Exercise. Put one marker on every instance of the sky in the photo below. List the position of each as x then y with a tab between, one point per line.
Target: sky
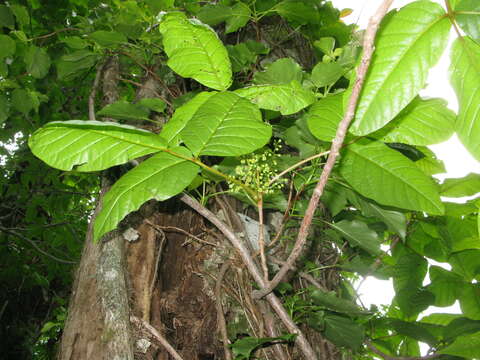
458	162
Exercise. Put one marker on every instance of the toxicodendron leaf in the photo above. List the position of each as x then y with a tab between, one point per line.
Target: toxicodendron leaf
324	116
465	79
467	346
330	301
91	145
108	38
386	176
172	129
287	98
159	177
343	331
359	234
282	71
195	51
225	125
459	187
7	44
124	110
467	14
422	122
445	285
408	44
37	62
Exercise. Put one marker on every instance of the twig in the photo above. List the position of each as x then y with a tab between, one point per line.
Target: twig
275	303
173	353
31	242
368	49
93	92
176	229
298	164
220	316
54	33
302	274
388	357
261	239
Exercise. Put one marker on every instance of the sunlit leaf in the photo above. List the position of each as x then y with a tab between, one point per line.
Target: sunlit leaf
465	79
408	44
389	178
459	187
467	14
159	177
324	116
287	99
226	125
91	145
124	110
467	346
195	51
282	71
422	122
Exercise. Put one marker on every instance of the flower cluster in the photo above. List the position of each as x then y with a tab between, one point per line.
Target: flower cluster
256	170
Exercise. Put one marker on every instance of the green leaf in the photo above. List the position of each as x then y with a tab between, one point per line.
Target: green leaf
4	108
195	51
75	42
172	129
91	145
282	71
412	301
226	125
429	164
440	318
325	45
108	38
467	346
445	285
422	122
465	263
467	15
239	17
359	234
22	101
324	74
297	12
415	330
343	331
159	177
21	14
389	178
6	17
7	44
458	187
153	104
409	270
72	65
243	348
470	301
395	221
330	301
288	99
214	14
37	62
465	79
324	116
408	44
461	326
124	110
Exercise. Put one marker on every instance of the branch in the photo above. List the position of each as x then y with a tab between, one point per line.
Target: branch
368	49
388	357
142	323
220	316
34	244
275	303
93	92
